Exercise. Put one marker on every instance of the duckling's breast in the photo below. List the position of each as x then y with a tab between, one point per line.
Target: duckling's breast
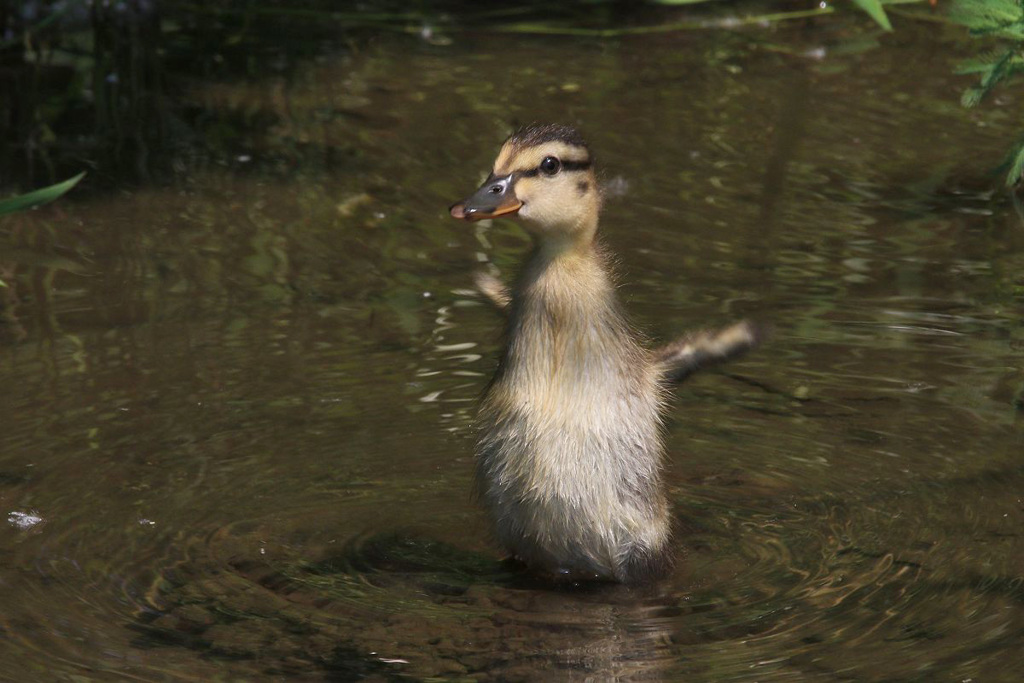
570	444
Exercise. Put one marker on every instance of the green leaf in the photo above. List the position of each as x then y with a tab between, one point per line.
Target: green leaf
39	197
875	11
1015	166
1002	18
972	97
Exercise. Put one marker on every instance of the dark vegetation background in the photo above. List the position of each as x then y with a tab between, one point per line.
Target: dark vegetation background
96	86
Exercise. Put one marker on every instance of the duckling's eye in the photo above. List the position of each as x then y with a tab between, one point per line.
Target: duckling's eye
550	165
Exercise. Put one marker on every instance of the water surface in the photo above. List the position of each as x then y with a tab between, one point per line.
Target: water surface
237	439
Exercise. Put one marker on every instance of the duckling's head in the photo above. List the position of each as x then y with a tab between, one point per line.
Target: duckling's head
543	177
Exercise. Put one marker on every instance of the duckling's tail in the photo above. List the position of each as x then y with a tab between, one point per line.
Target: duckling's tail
698	350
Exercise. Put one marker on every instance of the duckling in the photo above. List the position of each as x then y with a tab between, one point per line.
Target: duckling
570	451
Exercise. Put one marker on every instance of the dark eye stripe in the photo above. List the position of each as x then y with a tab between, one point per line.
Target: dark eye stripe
566	166
575	165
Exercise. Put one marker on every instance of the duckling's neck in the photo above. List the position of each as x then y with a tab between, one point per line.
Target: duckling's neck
550	250
565	315
576	239
568	275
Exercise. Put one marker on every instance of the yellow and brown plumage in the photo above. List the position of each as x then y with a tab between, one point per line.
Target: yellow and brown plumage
570	447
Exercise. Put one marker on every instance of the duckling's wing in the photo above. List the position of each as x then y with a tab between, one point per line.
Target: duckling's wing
494	289
698	350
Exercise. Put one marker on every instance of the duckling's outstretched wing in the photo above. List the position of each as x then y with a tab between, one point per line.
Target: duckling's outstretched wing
698	350
493	288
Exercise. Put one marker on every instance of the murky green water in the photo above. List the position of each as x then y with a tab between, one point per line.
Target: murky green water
237	410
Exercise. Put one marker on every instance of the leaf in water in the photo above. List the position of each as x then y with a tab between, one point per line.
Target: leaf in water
1015	165
35	259
39	197
971	97
875	11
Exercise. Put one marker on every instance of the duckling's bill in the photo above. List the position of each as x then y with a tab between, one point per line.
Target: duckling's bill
496	197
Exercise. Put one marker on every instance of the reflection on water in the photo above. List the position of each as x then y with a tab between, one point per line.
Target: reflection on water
238	437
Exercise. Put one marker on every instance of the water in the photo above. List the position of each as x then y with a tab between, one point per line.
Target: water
237	438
